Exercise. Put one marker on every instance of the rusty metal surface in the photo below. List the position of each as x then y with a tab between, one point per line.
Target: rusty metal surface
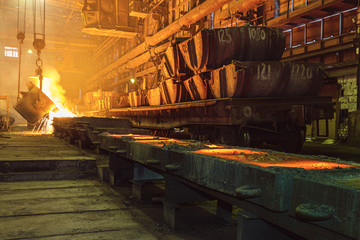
88	129
123	100
172	91
236	7
34	104
305	79
225	111
279	188
211	49
134	99
191	17
331	200
197	86
154	97
108	18
266	79
173	64
104	100
138	98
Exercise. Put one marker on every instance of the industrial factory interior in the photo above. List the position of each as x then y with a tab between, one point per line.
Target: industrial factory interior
180	119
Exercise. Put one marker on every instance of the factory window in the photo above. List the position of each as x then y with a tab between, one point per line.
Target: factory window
10	52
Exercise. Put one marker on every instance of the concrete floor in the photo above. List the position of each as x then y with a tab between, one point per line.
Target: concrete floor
80	209
84	208
337	150
26	156
89	209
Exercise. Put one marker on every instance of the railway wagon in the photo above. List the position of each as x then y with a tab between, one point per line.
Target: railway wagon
229	86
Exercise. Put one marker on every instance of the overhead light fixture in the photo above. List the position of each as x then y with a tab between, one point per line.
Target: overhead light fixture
132	80
30	51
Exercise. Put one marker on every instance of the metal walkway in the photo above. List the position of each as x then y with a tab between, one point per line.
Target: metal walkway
25	156
81	209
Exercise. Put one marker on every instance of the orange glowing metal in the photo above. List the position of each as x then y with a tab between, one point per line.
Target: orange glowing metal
122	135
264	159
152	140
162	142
52	88
146	138
213	146
25	133
134	136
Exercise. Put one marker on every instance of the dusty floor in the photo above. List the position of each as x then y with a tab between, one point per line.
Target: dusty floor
344	152
89	209
84	208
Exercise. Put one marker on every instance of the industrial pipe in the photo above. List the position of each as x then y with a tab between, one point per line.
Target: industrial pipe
191	17
146	56
237	6
143	58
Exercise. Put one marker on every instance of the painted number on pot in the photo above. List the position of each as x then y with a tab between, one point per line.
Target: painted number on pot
300	71
257	34
264	71
224	36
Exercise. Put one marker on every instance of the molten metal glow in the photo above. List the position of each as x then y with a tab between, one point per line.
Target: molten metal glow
162	142
247	156
132	136
52	88
213	146
265	159
152	140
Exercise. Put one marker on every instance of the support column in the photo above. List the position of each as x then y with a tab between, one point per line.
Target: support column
224	211
176	193
251	227
119	169
103	172
169	213
143	187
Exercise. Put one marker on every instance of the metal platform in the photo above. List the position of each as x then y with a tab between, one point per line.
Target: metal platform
25	156
69	209
225	111
313	197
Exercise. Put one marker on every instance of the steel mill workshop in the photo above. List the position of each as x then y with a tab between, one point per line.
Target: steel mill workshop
180	119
